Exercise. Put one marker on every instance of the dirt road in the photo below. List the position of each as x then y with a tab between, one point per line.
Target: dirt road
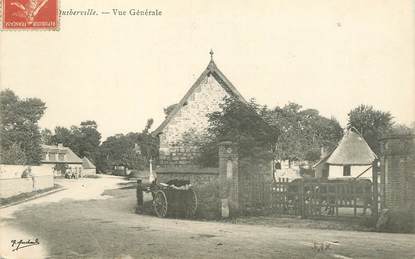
80	222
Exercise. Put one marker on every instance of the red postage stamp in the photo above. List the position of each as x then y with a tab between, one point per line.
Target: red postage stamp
30	15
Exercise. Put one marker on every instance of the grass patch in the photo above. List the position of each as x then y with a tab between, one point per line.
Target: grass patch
24	196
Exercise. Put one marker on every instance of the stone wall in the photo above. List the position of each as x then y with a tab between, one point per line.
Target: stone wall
398	172
12	183
196	176
181	138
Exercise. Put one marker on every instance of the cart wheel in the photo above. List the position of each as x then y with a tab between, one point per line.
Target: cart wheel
160	204
191	204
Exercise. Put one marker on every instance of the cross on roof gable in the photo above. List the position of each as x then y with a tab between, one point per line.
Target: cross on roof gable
211	70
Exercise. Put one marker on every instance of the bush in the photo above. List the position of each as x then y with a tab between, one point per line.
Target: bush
397	221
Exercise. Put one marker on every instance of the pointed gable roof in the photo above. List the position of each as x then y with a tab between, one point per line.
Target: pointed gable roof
211	70
352	150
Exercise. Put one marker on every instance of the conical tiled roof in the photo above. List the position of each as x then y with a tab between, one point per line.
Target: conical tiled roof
352	150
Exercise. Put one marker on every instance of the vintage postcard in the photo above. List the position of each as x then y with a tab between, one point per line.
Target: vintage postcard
207	129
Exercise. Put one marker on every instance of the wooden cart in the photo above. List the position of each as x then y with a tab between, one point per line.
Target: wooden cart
175	198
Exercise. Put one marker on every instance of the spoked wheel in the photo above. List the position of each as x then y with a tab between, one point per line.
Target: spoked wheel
160	204
190	204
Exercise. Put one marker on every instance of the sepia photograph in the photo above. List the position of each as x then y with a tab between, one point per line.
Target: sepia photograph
207	129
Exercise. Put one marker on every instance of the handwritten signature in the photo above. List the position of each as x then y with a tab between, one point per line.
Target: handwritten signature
19	244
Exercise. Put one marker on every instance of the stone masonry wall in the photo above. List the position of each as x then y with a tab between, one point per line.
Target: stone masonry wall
196	176
180	139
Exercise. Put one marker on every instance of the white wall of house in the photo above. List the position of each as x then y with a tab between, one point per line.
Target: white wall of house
89	171
336	171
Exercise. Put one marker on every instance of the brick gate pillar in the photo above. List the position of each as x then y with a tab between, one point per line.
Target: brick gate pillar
228	178
398	172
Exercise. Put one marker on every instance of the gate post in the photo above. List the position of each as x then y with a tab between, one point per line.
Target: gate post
375	192
303	210
398	165
228	178
140	198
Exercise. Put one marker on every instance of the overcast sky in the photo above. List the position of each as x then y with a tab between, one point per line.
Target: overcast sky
119	71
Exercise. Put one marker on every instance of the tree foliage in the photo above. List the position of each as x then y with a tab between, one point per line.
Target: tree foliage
291	132
402	129
46	136
83	140
240	123
20	137
303	132
372	124
133	150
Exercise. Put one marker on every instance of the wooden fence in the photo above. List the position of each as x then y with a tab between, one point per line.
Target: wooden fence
319	198
254	193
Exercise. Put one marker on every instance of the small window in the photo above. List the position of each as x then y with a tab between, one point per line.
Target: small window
346	170
277	165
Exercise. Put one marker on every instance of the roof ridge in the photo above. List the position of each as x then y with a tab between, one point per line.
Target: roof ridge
210	69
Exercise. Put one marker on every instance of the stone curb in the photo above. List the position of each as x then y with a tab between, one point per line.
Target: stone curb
33	197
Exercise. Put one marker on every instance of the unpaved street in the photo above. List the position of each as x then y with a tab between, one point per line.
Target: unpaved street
80	222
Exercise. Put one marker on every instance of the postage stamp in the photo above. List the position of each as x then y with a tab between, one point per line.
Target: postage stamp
30	15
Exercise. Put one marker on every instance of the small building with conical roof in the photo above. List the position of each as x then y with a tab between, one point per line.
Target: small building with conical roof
352	158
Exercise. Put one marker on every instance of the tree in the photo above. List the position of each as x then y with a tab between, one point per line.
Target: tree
62	136
46	136
89	139
402	129
83	140
133	150
241	123
14	156
19	131
372	124
303	132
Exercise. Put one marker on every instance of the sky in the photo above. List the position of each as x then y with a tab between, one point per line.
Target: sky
330	55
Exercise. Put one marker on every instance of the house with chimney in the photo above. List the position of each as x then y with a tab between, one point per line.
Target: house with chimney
53	156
